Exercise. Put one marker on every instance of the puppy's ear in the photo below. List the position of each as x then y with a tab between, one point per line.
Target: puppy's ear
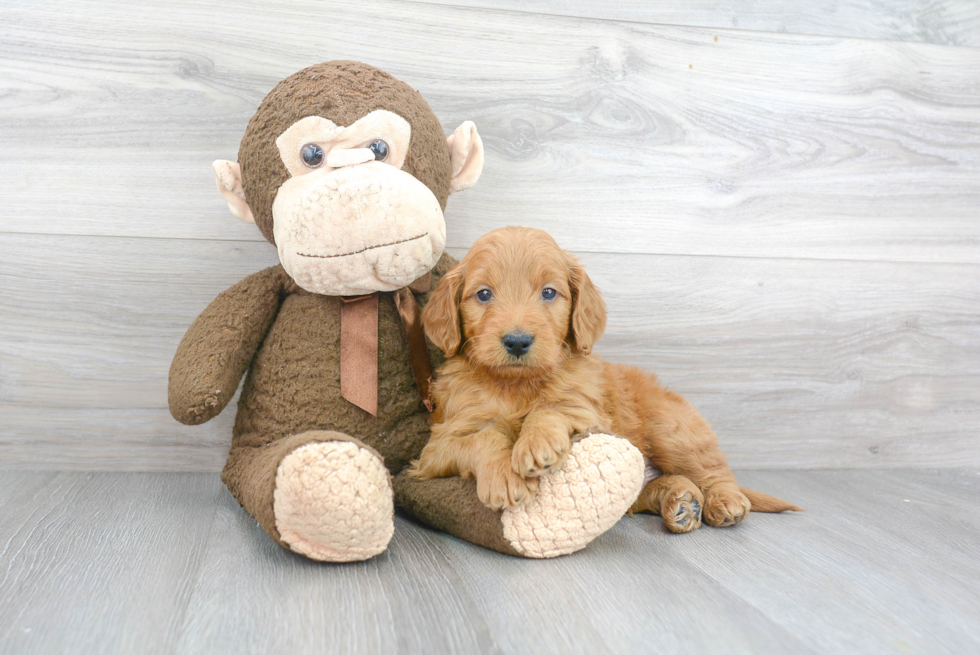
440	317
588	320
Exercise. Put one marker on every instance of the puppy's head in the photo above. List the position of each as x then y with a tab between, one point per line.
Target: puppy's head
517	305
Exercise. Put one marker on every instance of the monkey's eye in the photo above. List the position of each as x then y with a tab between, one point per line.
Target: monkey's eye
379	148
312	155
484	295
549	294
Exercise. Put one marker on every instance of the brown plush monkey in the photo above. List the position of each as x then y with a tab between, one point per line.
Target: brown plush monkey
347	171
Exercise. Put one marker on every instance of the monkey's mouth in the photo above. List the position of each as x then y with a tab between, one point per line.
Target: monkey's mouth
357	252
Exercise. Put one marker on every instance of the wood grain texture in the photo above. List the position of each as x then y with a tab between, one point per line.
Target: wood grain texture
873	576
797	363
882	561
746	199
951	22
616	137
256	595
99	563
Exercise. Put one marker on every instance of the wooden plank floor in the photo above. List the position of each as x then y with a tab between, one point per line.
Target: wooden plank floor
882	561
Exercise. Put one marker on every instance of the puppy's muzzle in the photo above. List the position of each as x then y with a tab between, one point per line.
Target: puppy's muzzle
517	343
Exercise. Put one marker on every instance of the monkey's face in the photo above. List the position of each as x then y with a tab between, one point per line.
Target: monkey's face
353	202
349	221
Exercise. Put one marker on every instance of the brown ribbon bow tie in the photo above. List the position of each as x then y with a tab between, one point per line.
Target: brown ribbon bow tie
359	345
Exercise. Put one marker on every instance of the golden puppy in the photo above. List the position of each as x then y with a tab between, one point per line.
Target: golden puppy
517	319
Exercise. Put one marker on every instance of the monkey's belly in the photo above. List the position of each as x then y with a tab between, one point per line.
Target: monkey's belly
293	384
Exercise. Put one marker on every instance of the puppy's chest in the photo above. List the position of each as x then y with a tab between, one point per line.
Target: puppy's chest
513	406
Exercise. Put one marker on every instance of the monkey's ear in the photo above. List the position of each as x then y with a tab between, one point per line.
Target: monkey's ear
228	177
466	156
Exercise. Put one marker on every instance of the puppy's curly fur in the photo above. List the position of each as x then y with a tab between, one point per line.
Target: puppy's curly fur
517	319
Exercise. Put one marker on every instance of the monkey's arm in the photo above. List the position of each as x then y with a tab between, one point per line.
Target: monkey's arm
220	344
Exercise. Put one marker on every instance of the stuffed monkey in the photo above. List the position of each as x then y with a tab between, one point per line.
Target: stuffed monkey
346	170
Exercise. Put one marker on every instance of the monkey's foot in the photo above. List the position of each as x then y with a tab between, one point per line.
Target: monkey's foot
578	502
333	502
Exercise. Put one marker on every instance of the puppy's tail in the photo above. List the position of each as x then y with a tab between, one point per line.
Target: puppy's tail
765	503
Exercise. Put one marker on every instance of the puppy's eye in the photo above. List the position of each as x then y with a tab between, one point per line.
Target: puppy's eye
484	295
549	294
379	148
312	155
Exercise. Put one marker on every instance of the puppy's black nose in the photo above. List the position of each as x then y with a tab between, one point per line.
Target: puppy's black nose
517	343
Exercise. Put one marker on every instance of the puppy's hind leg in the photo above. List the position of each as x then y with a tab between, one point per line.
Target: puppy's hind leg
699	458
676	499
682	443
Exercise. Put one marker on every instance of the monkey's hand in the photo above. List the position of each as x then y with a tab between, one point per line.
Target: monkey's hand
220	344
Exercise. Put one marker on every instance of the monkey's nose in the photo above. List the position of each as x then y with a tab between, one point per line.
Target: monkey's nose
340	157
517	343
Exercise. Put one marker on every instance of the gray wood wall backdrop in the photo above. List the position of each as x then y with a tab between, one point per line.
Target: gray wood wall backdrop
781	204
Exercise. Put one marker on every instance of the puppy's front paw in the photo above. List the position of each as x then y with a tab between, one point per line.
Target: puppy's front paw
498	486
725	505
540	449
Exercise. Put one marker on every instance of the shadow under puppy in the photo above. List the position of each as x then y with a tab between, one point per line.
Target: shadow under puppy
517	319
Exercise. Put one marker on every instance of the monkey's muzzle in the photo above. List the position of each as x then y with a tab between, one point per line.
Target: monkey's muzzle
357	229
